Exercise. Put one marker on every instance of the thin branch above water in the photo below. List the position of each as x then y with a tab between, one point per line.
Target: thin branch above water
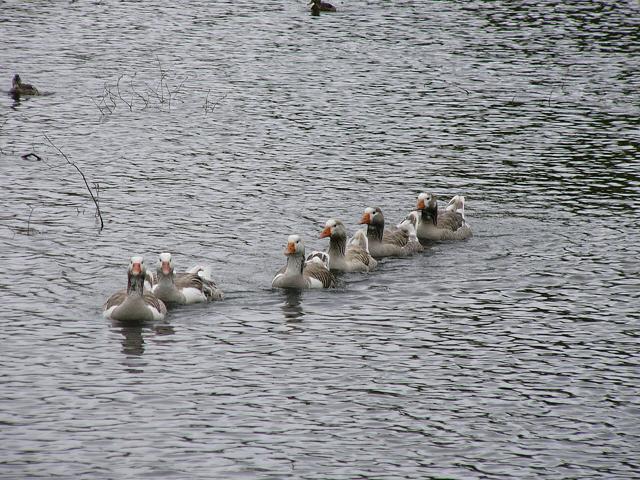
84	178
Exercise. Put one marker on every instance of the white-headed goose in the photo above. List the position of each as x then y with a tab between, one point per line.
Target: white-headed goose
409	225
389	243
194	286
300	274
343	257
135	304
447	224
456	204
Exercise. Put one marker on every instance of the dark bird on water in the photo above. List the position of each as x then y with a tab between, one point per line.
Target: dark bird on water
19	88
318	6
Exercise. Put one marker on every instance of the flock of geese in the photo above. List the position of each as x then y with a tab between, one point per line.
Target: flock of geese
148	294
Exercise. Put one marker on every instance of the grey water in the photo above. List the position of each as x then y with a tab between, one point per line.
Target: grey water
213	130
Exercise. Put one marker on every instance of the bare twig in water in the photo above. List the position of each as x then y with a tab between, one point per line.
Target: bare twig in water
130	105
132	88
551	92
96	186
29	220
1	127
144	99
210	108
206	103
162	75
112	97
177	90
101	109
168	95
95	201
448	84
161	95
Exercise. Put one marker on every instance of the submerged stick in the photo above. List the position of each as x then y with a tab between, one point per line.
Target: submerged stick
83	178
29	219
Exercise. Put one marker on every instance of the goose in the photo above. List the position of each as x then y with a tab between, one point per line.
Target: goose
456	204
354	257
390	243
194	286
409	226
19	88
321	258
135	304
436	225
300	274
318	6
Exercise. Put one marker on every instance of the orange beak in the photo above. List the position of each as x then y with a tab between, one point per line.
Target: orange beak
291	248
166	269
137	268
366	218
421	204
326	232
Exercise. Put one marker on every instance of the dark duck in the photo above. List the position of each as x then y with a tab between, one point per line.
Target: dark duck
19	88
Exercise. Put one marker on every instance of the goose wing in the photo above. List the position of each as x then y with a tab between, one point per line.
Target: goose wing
150	279
318	272
450	220
153	301
198	282
396	237
358	254
116	299
189	280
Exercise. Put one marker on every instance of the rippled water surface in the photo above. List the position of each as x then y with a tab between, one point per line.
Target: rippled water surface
216	129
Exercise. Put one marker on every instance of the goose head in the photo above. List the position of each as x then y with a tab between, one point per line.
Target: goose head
456	204
136	275
409	224
372	216
315	7
16	81
333	228
295	246
165	264
427	201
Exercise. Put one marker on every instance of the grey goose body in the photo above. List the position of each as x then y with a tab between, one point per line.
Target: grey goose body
346	257
194	286
384	243
300	273
134	304
440	225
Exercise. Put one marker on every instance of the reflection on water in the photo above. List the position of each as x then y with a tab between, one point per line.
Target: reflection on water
133	340
292	306
509	355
